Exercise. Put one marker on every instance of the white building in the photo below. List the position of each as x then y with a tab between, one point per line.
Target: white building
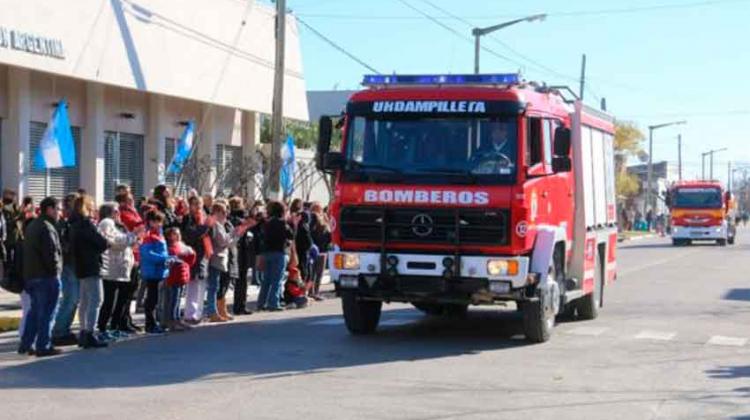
133	73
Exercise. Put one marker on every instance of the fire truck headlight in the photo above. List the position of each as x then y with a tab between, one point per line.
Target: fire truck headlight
502	267
344	261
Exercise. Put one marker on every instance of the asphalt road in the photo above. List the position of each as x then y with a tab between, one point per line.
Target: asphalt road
671	342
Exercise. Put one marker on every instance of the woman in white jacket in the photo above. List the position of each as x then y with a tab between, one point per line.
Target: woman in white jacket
117	263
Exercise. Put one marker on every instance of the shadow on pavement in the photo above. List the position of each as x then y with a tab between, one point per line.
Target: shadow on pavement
729	372
738	294
261	349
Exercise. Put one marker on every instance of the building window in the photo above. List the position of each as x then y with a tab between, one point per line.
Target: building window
169	149
56	182
123	163
228	163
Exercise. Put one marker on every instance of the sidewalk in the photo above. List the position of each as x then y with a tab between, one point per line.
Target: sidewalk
10	304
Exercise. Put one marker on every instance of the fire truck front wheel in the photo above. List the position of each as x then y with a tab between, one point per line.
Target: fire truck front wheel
360	316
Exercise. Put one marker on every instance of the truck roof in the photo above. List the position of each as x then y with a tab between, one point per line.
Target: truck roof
698	184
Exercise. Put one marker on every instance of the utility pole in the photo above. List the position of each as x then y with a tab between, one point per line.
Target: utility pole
711	166
277	116
647	201
583	76
477	33
679	157
729	175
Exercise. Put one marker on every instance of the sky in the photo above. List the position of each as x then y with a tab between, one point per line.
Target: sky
654	61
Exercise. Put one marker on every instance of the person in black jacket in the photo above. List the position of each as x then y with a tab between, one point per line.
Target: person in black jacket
42	265
162	200
241	258
62	334
302	237
88	246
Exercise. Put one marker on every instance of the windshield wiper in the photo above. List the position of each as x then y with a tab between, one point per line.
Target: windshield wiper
377	167
450	171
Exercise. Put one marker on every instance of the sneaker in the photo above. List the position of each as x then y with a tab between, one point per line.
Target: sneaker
24	351
65	340
318	298
106	337
52	351
155	330
279	309
127	330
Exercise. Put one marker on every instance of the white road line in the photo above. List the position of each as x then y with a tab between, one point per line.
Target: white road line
590	331
632	270
396	322
655	335
333	321
720	340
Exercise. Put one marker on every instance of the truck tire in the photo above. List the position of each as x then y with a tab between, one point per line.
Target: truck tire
730	241
721	242
361	316
588	306
539	315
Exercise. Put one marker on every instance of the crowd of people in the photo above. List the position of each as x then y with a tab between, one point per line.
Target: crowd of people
159	251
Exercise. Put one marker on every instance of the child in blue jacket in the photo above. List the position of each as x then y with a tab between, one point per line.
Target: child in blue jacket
155	262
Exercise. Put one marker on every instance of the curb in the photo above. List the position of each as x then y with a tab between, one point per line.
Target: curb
9	323
636	238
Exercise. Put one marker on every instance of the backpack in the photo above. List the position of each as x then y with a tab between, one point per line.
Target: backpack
12	279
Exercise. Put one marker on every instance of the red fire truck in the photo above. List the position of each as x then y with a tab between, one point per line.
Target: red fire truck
701	210
458	190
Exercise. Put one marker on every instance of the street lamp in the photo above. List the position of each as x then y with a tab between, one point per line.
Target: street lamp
478	32
703	162
651	129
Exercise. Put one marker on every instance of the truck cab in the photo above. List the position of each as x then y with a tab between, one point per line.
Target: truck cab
700	211
465	190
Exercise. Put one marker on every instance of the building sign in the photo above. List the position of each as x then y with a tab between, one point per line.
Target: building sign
31	43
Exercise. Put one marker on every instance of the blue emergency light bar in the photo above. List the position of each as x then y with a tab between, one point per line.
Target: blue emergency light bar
442	79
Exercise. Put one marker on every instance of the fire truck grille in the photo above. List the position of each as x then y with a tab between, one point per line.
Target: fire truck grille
435	226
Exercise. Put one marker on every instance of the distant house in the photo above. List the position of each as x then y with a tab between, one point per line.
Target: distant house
663	174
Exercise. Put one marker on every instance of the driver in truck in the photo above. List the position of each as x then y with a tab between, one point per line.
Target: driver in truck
493	156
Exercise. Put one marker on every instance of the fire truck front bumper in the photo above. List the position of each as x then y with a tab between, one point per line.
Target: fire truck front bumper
700	232
400	276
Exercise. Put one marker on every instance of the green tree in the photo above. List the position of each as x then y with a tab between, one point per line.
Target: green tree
627	143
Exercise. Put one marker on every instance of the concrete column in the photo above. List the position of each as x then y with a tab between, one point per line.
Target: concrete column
250	139
153	156
92	143
15	156
206	151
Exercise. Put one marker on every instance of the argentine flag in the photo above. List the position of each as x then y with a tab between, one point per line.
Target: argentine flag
182	151
57	149
288	166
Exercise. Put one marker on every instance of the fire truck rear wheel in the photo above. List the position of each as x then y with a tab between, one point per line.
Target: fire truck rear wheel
360	316
730	241
588	306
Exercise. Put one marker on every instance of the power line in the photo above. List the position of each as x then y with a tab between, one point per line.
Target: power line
562	14
457	33
336	46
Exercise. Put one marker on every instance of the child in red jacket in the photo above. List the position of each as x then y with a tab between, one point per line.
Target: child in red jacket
179	276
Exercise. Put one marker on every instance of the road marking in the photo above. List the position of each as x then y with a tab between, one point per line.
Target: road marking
332	321
590	331
396	322
720	340
654	263
655	335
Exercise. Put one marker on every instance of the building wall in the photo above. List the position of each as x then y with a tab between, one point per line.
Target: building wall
222	54
29	96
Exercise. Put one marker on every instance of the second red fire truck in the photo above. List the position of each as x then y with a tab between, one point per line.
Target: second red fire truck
459	190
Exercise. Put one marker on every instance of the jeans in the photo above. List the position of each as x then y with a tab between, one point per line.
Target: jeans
150	302
68	302
273	276
175	292
196	293
91	300
115	294
212	288
45	294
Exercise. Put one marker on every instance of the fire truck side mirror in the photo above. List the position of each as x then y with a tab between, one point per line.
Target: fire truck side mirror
561	164
562	141
325	130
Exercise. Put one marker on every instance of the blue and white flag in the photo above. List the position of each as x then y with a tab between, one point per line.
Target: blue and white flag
182	151
288	166
57	149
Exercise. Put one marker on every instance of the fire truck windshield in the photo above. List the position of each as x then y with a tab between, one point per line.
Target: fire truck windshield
697	198
433	150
